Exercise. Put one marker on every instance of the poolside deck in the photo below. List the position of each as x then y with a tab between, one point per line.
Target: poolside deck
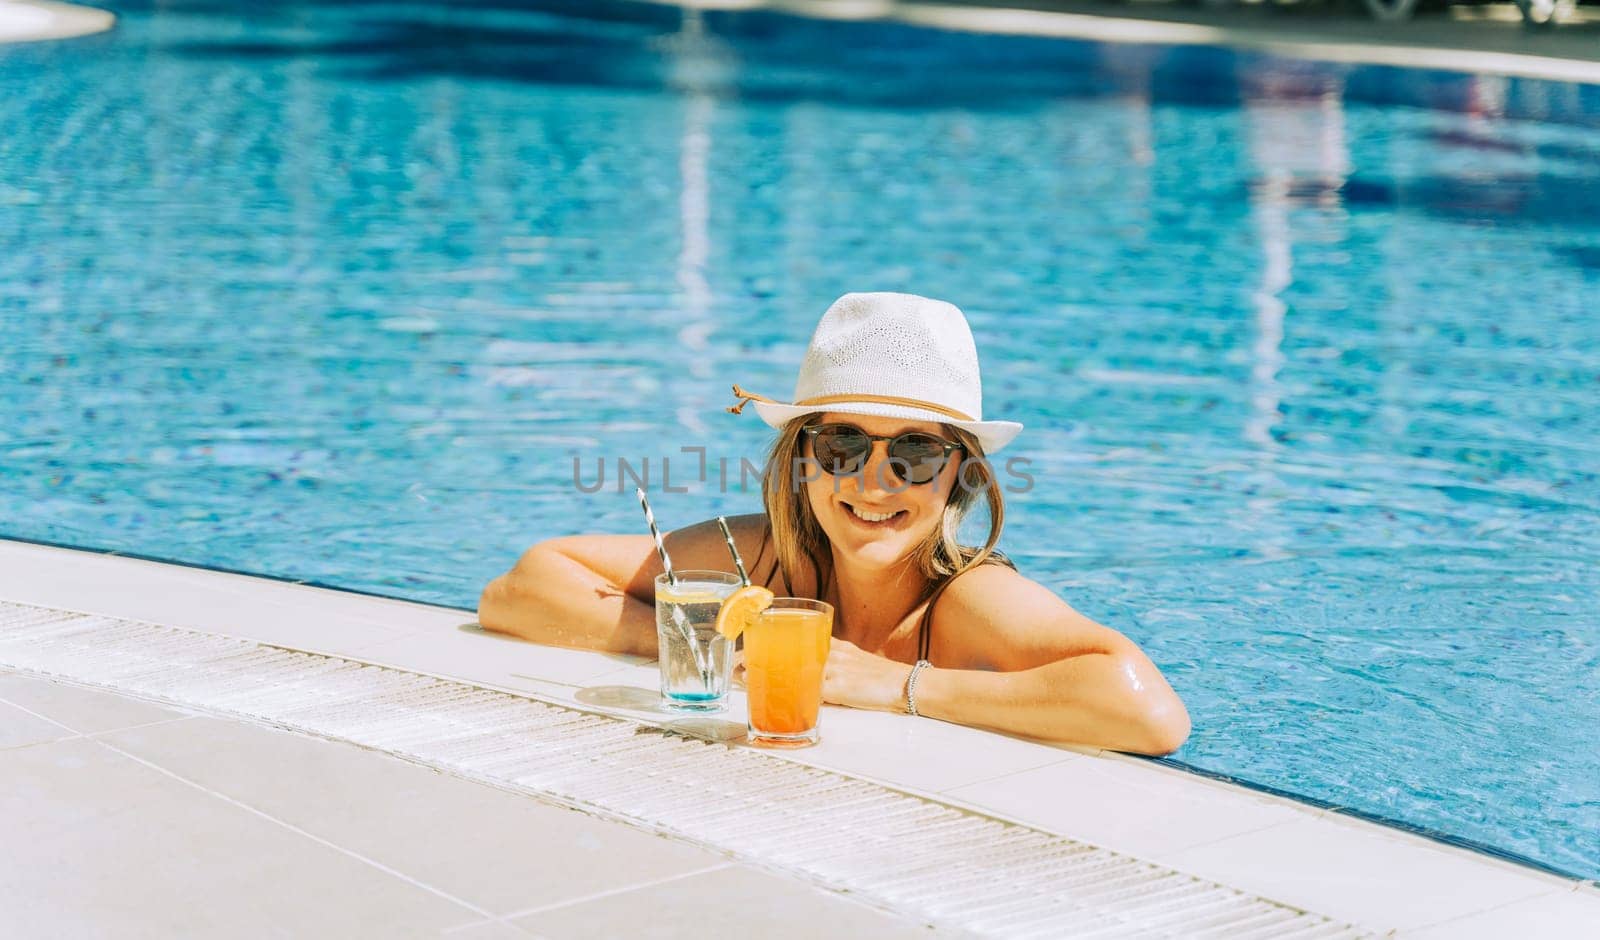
1484	39
37	20
438	841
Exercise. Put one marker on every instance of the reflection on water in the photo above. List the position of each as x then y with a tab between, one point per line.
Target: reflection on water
1306	353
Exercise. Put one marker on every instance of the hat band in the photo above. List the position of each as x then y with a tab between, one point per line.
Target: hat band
747	397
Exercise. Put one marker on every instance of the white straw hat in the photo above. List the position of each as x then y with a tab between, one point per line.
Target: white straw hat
893	356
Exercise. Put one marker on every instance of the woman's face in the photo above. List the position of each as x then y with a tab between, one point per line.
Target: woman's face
839	501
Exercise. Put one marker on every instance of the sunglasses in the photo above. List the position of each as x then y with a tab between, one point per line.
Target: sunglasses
915	457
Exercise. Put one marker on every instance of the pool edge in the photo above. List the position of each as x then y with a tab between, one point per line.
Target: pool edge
409	636
1127	30
41	20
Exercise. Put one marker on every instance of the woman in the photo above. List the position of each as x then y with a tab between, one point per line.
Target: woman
876	463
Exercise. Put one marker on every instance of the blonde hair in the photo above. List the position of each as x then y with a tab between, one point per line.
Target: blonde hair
798	539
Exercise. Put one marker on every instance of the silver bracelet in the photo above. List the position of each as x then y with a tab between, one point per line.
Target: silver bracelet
911	686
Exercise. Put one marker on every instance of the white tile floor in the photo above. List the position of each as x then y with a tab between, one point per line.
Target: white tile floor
124	819
725	902
1349	869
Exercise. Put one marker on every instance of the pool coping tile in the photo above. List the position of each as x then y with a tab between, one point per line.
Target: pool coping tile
1570	912
1362	872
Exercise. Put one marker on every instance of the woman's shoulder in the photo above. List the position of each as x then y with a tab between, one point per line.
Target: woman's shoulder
705	542
994	617
986	589
751	533
704	546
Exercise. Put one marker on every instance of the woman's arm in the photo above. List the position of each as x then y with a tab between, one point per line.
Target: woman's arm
598	591
1012	656
1112	700
575	592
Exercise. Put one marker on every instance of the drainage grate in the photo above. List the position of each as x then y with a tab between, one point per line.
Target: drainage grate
903	853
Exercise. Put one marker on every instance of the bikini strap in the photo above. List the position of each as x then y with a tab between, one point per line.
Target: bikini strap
925	631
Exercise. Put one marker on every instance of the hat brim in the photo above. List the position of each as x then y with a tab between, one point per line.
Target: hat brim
992	435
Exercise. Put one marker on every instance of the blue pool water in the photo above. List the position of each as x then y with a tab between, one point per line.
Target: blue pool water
1308	354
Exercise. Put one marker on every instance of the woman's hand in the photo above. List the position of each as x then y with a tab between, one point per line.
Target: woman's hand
859	679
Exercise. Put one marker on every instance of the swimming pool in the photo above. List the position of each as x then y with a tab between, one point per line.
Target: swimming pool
1307	353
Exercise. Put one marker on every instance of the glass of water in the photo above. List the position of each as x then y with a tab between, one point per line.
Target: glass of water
695	658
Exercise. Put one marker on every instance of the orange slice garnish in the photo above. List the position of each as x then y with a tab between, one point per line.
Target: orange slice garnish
741	608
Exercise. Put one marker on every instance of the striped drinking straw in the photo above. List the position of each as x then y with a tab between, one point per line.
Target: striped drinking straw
655	533
678	618
722	523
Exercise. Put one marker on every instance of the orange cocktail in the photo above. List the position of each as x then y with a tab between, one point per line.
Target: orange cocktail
785	649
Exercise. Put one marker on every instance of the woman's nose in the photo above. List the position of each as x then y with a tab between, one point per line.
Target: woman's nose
877	474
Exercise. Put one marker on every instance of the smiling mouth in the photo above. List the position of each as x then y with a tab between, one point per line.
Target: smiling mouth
874	519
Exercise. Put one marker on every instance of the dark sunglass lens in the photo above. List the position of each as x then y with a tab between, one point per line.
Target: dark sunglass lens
918	457
840	449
